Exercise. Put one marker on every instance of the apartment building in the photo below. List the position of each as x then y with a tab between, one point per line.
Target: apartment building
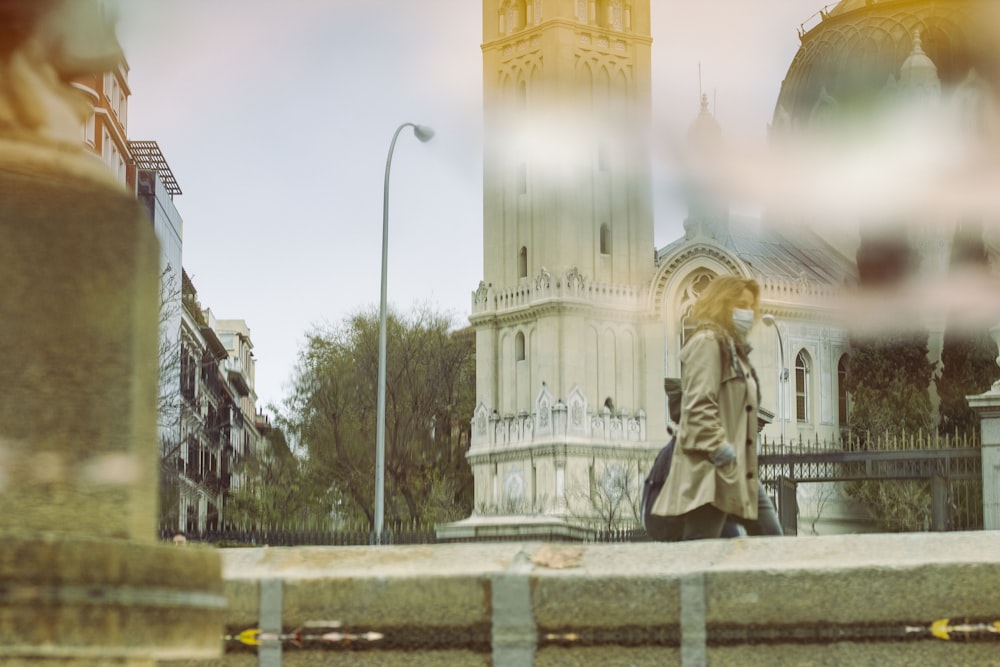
207	405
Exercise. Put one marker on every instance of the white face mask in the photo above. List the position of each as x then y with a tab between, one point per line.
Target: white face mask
742	319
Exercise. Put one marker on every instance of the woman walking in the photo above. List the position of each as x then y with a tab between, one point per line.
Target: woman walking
713	475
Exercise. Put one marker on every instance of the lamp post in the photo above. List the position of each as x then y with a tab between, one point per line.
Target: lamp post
424	134
782	372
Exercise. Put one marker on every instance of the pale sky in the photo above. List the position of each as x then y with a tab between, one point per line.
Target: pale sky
276	117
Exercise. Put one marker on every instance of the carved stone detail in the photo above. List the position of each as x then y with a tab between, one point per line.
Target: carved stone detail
56	42
544	280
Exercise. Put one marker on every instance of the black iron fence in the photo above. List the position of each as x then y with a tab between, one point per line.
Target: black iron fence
949	466
295	536
944	474
288	536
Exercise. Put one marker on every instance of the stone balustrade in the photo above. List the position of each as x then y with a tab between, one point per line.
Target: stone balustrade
571	285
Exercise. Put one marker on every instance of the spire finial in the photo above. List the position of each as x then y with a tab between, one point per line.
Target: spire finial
917	46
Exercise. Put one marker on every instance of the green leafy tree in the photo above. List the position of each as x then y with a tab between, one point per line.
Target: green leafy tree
888	378
276	489
430	393
968	354
968	368
889	373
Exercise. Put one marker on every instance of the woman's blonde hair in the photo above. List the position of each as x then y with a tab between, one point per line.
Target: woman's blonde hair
716	302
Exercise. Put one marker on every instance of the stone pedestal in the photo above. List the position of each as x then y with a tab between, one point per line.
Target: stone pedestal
79	267
82	579
97	601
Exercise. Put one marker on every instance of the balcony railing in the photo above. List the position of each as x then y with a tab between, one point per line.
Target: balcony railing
237	376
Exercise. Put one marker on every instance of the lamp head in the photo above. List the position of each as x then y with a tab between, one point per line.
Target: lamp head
423	132
768	319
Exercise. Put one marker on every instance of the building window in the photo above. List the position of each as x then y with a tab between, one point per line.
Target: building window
519	347
842	397
90	131
802	364
114	97
522	263
106	146
496	485
109	82
691	292
605	239
513	17
122	109
609	14
534	485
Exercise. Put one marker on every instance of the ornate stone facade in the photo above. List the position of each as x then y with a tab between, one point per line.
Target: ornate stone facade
578	320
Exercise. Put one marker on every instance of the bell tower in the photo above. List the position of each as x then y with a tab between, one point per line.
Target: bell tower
567	114
568	252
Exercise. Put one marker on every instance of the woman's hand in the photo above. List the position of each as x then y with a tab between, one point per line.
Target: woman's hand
722	456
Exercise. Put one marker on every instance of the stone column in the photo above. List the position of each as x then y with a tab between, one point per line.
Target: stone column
83	580
987	406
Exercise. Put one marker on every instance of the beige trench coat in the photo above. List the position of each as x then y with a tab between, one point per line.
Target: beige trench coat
719	406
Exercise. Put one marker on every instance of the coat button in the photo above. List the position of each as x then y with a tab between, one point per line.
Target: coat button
749	475
749	442
749	408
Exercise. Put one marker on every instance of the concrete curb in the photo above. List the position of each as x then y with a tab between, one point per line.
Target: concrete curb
864	599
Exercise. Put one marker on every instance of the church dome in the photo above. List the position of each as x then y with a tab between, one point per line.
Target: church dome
851	52
848	6
918	68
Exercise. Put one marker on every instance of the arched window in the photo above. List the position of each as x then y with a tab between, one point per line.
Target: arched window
521	13
842	397
609	14
522	263
605	239
513	16
802	364
615	14
519	347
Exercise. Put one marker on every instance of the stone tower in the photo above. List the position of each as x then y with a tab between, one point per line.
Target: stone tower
568	257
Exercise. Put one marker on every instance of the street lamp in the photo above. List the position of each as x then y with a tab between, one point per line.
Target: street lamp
782	372
424	134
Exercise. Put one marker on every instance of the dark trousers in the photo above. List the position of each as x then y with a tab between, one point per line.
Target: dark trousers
708	521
